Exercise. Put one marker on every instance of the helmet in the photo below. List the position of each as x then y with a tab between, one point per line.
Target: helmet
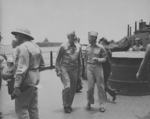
23	31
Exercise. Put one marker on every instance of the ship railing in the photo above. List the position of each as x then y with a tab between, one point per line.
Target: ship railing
48	56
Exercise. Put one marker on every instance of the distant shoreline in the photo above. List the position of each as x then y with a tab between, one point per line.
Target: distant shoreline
49	44
40	45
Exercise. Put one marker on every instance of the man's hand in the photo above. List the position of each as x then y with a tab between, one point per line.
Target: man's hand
95	59
59	74
1	59
17	91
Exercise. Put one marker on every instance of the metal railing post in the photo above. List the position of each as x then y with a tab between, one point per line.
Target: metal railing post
51	59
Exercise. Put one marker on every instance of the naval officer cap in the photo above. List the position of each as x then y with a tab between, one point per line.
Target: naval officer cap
93	33
137	39
72	33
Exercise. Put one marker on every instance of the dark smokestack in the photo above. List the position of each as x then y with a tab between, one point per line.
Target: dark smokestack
135	27
128	30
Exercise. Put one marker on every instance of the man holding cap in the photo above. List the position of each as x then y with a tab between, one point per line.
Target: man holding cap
95	55
28	62
68	62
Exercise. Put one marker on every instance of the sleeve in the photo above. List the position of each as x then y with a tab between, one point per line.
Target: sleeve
22	65
144	62
103	55
1	59
85	55
80	61
2	53
58	58
5	56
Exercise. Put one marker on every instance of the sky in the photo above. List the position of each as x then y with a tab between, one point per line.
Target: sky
53	19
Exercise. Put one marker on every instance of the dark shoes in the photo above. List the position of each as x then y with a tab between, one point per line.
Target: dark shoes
1	116
88	107
67	109
114	95
70	108
102	109
79	87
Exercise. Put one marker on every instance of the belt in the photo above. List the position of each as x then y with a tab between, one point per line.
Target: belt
92	63
33	69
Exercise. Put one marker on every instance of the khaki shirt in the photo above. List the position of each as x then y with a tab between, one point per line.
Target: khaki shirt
95	51
29	60
69	57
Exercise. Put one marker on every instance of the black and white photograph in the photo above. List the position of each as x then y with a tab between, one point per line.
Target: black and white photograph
74	59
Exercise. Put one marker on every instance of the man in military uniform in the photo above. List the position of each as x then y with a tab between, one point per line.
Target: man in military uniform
95	55
68	62
137	46
29	61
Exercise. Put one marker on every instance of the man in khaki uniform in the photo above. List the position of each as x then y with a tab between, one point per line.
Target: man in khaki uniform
68	62
95	55
29	61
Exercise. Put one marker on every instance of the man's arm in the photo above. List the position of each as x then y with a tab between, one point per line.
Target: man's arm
80	63
22	65
144	62
103	55
85	56
3	54
58	60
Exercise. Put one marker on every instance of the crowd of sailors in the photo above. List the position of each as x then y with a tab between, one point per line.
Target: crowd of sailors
27	63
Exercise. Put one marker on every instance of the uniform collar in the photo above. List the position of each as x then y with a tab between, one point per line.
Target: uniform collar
93	45
68	44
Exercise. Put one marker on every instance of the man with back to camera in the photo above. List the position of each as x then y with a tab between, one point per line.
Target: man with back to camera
29	61
68	62
95	55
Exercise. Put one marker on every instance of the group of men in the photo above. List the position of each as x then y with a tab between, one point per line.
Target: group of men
69	68
29	62
97	67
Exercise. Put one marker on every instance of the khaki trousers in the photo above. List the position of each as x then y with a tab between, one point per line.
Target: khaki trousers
26	105
95	74
69	80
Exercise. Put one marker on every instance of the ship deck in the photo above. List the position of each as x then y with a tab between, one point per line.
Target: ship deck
50	103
